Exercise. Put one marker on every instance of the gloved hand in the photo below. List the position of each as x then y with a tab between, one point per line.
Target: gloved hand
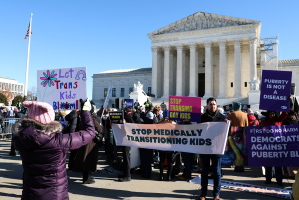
85	105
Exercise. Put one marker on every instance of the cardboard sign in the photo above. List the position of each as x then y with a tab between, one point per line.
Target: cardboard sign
116	117
185	108
62	88
275	89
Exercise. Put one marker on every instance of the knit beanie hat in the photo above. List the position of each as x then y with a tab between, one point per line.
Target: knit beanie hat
237	106
40	111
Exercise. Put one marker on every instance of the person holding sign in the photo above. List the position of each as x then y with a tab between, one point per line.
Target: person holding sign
43	148
211	115
272	119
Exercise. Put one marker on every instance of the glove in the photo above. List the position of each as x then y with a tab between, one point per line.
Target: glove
85	105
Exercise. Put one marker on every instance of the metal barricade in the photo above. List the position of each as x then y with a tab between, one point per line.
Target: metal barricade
6	130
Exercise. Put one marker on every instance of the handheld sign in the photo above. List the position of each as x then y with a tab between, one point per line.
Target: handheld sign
129	103
185	108
275	89
62	88
116	117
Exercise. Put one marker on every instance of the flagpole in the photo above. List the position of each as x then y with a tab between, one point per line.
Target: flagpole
28	52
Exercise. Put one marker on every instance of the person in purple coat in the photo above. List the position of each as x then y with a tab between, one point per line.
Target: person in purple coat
43	150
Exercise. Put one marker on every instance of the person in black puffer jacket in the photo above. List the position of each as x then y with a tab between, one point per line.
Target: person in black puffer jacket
290	119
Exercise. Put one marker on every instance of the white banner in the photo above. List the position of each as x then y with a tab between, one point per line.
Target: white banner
204	138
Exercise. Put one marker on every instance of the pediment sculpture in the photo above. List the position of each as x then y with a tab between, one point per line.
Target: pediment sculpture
202	23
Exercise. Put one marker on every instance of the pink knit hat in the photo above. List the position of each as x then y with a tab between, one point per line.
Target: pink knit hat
40	111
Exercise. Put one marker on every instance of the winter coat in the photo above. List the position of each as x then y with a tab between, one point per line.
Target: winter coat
276	121
86	157
238	118
251	119
72	119
207	118
136	118
43	150
289	120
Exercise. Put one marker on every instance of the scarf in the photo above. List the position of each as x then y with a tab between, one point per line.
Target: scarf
213	115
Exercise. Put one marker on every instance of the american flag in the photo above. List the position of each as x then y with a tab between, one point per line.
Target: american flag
27	35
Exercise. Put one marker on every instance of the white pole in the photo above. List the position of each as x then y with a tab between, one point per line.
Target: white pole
27	67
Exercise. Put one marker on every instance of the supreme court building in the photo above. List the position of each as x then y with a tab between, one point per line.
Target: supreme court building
205	55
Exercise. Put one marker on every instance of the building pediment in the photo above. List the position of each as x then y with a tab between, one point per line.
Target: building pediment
202	21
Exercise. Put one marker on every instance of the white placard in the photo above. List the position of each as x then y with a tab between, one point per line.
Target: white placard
62	88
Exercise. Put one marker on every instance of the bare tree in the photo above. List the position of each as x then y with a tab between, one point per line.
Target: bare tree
31	93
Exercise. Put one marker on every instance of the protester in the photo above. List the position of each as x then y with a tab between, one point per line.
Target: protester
43	150
272	119
87	156
136	104
163	106
290	119
211	115
163	155
252	121
126	151
188	160
73	119
136	117
146	155
238	118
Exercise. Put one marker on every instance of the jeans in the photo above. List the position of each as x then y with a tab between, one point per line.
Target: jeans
216	166
188	159
278	173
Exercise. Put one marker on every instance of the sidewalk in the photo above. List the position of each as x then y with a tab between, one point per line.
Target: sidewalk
107	186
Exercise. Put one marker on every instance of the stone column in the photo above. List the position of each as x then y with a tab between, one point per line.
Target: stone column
166	71
179	72
222	69
252	43
193	70
208	70
237	85
155	70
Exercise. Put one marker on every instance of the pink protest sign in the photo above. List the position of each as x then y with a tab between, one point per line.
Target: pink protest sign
185	108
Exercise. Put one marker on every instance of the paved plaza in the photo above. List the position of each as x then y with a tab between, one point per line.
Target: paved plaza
107	187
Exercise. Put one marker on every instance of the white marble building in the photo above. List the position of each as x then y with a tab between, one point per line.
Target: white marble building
12	84
201	55
122	82
205	55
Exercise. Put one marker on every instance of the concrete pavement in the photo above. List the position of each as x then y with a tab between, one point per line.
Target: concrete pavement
107	186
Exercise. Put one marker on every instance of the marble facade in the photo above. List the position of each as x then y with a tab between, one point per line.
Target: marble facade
205	55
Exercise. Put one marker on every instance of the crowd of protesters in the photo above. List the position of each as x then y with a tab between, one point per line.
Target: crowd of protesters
44	137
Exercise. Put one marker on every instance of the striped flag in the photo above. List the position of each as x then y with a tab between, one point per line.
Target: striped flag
27	35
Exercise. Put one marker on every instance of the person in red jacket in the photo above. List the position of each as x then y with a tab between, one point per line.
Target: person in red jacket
252	121
272	119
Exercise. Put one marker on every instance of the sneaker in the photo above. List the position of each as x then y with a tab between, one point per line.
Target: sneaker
125	179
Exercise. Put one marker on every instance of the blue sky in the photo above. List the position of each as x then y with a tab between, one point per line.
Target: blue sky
106	35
